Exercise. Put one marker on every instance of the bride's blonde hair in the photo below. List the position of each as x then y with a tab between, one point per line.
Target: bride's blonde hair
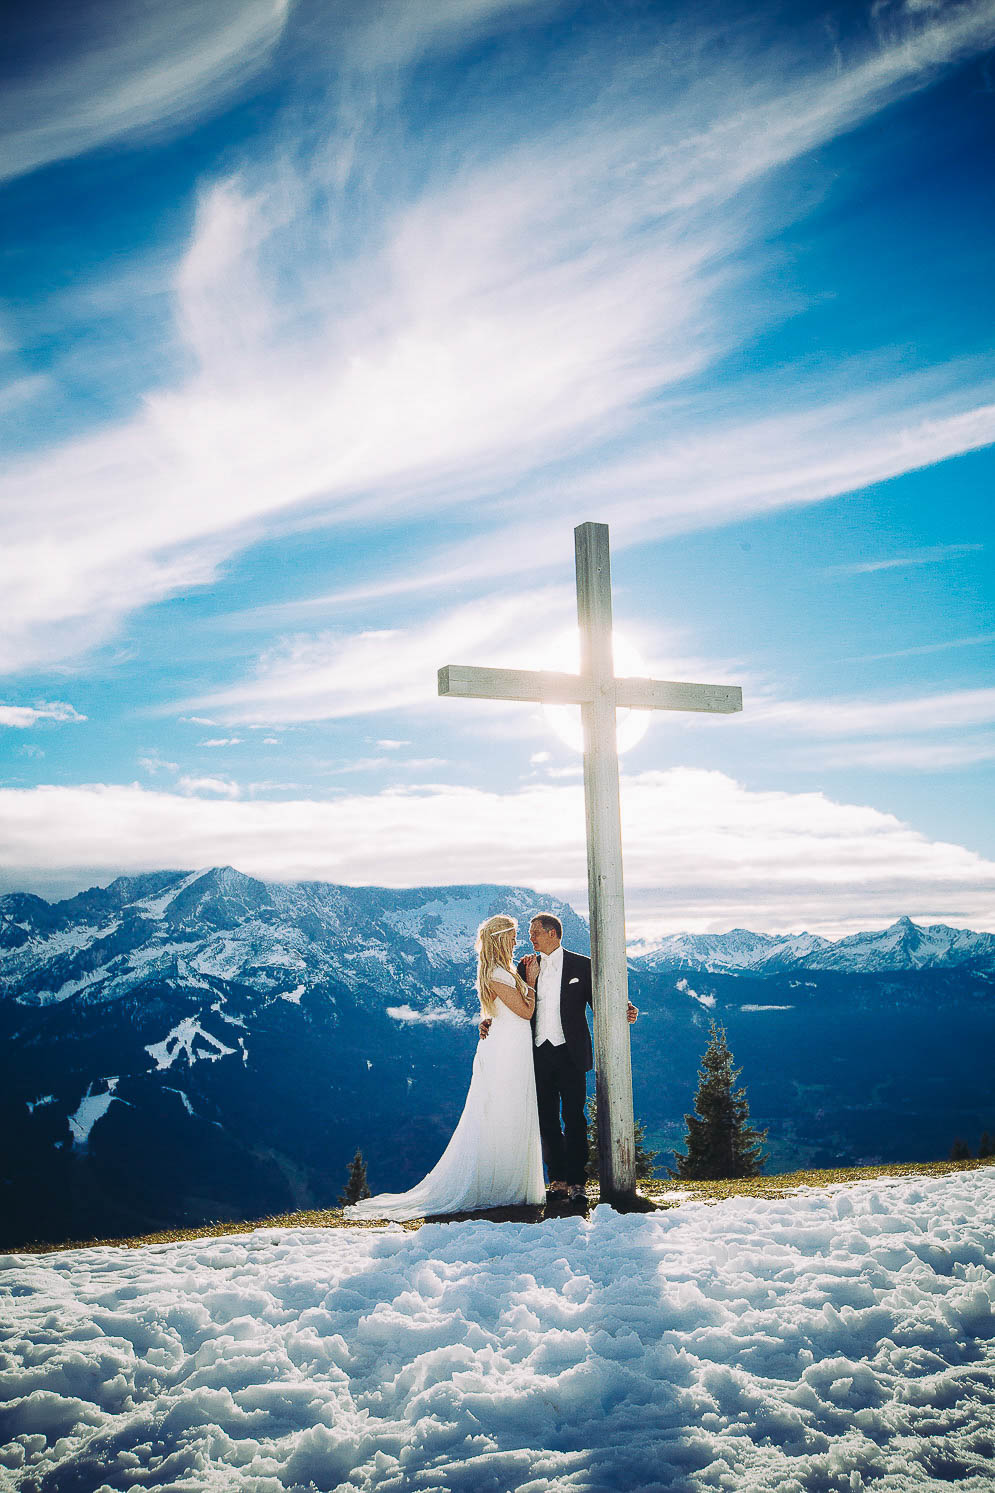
495	948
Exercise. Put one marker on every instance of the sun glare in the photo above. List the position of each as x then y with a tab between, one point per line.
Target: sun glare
564	655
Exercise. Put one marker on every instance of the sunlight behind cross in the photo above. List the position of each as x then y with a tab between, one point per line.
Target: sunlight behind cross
563	655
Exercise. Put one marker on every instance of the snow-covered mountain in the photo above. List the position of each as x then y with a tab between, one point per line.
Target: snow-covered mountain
903	946
281	939
183	1046
277	939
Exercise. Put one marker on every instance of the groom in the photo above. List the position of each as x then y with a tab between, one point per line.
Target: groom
562	1053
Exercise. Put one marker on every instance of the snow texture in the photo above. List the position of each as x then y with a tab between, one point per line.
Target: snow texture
840	1339
183	1041
91	1108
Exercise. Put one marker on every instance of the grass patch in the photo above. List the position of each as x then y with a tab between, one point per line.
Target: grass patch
785	1183
780	1186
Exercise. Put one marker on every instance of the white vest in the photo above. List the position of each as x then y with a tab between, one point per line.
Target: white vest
549	1027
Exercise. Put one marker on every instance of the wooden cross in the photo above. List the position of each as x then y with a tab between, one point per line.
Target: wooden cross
599	693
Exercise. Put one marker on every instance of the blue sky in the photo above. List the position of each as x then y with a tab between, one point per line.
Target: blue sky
321	327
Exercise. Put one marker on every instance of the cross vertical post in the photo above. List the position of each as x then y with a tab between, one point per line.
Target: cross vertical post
613	1067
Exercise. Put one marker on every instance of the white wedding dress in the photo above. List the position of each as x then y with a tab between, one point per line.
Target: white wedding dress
494	1159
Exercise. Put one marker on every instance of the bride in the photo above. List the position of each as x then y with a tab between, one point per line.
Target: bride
494	1158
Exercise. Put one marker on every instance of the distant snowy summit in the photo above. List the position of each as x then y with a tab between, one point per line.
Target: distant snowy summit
904	946
195	928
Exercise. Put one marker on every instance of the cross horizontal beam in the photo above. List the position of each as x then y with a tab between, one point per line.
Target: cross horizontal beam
666	694
468	682
465	681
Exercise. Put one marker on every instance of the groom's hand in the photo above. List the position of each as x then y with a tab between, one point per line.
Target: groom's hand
632	1012
484	1028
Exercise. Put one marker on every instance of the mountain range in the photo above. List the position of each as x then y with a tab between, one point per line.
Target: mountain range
189	1045
904	946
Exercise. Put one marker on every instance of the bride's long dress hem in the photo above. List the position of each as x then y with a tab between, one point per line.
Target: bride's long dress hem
494	1159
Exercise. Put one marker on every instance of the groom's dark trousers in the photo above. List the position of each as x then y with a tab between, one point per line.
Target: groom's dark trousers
561	1077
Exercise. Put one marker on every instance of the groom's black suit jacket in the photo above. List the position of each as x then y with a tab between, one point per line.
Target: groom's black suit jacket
575	997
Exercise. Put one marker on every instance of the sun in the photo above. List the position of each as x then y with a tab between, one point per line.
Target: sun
563	655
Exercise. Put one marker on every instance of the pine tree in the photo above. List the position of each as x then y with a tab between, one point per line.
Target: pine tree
645	1157
357	1186
986	1145
720	1141
960	1150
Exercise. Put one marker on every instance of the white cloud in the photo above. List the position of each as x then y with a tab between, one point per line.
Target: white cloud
224	787
701	851
153	763
220	741
518	315
134	68
22	716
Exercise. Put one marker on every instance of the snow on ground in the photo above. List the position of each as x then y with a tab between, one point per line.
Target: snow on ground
91	1108
183	1041
839	1339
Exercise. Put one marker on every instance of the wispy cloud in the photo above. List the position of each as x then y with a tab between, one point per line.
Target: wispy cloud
22	716
955	709
912	756
395	764
702	851
333	675
128	69
980	640
498	336
391	33
934	554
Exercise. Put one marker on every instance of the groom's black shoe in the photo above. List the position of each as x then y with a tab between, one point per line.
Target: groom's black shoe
557	1197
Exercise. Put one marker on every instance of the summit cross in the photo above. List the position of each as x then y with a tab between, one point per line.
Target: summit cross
599	693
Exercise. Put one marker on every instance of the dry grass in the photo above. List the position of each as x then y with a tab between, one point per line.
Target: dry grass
788	1182
708	1192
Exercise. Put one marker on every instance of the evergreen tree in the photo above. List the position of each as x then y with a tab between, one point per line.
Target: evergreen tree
645	1157
721	1143
960	1150
986	1145
357	1187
